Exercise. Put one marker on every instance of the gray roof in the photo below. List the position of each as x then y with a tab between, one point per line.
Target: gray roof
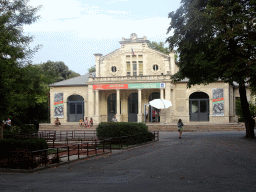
76	81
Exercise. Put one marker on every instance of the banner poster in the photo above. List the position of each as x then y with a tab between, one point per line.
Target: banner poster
218	102
58	105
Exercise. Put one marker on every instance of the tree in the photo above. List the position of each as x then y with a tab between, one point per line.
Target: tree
92	69
216	41
239	110
159	46
14	50
56	71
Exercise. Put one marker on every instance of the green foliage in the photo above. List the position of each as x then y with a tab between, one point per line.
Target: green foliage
215	40
12	131
159	47
119	129
33	144
16	153
14	51
92	69
239	110
56	71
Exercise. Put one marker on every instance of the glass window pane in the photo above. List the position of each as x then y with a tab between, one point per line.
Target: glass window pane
128	66
79	108
194	107
134	65
203	106
111	106
72	108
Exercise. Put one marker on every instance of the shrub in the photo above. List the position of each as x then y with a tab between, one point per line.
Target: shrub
17	153
26	128
10	131
119	129
239	110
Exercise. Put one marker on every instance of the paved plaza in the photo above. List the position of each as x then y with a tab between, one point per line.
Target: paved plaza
200	161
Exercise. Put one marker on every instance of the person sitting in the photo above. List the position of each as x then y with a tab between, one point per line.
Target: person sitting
114	119
57	122
85	122
81	122
91	122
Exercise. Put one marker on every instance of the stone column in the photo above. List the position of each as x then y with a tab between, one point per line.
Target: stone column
97	63
161	93
90	103
139	117
118	115
97	114
167	112
97	102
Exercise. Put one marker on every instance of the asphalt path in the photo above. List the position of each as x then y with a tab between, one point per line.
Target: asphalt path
200	161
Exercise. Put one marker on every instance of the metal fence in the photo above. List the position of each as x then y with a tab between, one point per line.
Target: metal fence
64	153
62	150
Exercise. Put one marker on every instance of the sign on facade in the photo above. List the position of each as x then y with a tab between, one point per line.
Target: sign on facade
218	102
129	86
58	105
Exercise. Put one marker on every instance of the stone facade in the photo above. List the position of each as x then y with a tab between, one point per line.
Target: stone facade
126	79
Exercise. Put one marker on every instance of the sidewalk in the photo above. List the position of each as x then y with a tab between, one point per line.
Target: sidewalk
200	161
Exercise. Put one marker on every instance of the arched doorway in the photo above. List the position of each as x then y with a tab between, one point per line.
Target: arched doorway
111	106
152	96
199	106
75	108
132	107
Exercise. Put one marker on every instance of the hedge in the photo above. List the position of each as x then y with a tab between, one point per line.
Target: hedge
17	153
119	129
10	131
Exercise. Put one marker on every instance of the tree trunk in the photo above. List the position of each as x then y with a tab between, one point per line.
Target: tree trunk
248	120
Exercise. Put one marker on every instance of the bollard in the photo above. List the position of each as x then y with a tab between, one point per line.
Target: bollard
103	145
45	156
95	147
78	150
68	153
58	155
87	149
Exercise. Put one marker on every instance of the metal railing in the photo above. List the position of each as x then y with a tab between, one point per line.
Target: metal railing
81	149
64	153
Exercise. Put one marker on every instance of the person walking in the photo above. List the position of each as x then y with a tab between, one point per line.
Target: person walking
180	127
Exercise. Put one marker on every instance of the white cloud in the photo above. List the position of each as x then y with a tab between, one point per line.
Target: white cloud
100	26
85	21
114	1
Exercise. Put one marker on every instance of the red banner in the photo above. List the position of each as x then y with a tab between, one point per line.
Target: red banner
219	99
57	103
110	86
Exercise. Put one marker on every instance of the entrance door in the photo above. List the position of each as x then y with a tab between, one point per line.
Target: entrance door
152	96
199	107
75	111
133	107
111	106
75	104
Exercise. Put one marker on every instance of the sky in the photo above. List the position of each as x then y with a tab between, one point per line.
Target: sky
73	30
